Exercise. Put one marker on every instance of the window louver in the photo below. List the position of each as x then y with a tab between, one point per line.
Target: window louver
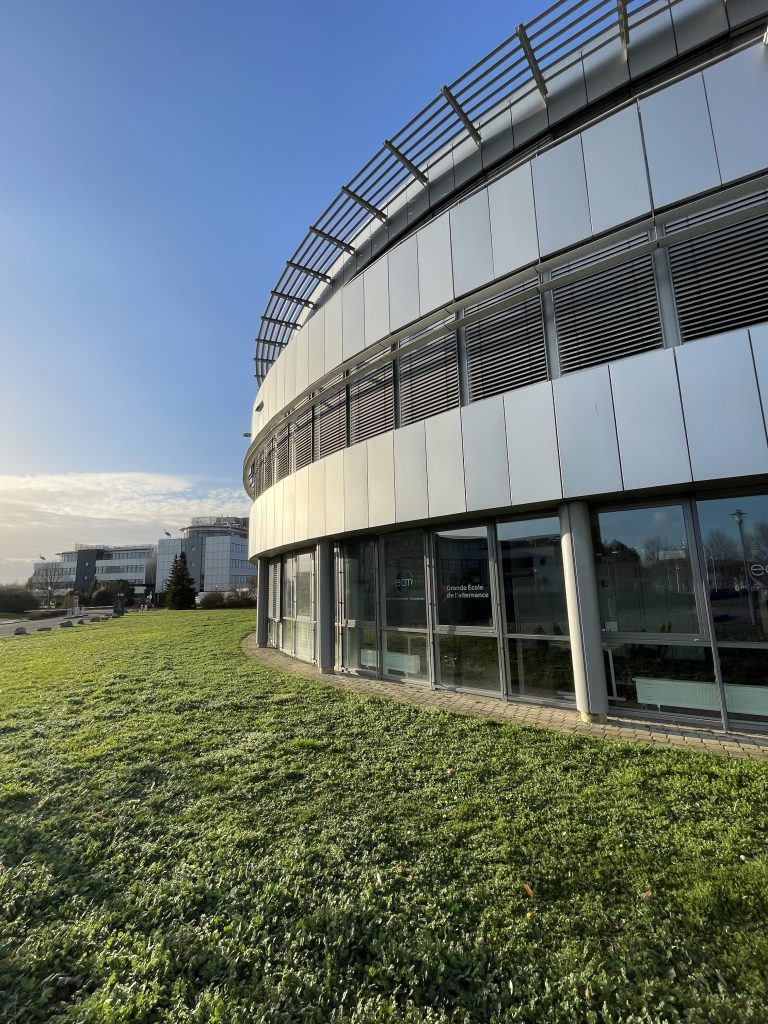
609	315
301	434
273	598
721	279
371	405
429	380
506	350
282	454
331	425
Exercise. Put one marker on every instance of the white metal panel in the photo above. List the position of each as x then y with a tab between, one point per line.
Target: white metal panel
513	221
617	182
606	68
289	509
353	318
736	89
486	467
333	314
301	341
467	161
440	177
529	116
403	284
334	492
316	346
471	243
560	189
410	473
356	487
278	385
376	280
721	405
435	272
276	516
496	134
566	88
301	527
289	375
534	466
678	141
586	433
652	41
381	480
445	464
317	498
759	338
697	21
649	420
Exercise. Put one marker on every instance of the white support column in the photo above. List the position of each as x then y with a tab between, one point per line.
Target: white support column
583	611
262	603
325	618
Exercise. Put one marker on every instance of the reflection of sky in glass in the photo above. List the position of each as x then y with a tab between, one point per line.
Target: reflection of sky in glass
634	526
716	515
470	533
528	528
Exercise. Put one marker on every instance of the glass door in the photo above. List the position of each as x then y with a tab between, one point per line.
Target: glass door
403	589
358	633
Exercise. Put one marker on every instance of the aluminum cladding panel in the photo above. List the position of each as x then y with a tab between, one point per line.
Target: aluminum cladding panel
759	339
534	464
301	341
445	464
403	284
353	318
316	345
410	473
333	335
560	188
718	374
356	487
288	501
334	492
586	433
513	221
376	285
486	473
617	183
435	270
316	498
678	141
471	243
649	420
381	480
737	88
301	528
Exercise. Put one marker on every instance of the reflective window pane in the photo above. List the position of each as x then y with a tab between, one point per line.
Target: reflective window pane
405	597
287	588
405	654
541	669
304	583
656	677
745	678
734	532
286	630
359	649
469	662
305	640
532	575
359	581
644	578
463	578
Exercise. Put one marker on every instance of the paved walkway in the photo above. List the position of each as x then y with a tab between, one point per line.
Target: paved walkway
683	737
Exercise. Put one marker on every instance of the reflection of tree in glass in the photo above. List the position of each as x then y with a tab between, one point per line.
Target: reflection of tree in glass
619	552
720	546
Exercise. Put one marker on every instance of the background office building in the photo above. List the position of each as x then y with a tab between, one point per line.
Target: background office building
510	432
87	566
216	548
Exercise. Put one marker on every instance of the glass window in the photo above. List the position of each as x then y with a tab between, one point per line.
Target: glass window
541	668
532	575
287	588
745	679
405	654
359	649
734	532
405	597
304	582
644	577
463	578
359	581
286	643
469	661
658	677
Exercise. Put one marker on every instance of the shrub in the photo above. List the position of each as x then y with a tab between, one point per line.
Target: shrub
15	598
212	599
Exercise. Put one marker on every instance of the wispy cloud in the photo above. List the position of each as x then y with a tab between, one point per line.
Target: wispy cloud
45	513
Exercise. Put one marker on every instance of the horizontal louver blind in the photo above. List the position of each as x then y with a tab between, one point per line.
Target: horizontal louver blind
282	460
721	279
273	601
609	315
506	350
301	433
331	424
371	405
429	380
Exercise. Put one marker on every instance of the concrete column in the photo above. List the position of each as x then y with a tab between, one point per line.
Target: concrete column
262	602
324	607
583	611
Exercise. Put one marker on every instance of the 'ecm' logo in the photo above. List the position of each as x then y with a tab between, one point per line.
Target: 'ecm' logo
756	571
404	580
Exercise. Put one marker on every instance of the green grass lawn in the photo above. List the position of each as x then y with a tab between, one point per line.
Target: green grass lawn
186	836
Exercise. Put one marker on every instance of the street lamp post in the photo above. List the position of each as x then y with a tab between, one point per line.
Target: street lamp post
738	517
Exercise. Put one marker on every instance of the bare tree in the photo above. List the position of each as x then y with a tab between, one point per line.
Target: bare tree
722	548
49	578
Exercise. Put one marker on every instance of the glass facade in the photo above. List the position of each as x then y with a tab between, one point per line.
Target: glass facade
463	591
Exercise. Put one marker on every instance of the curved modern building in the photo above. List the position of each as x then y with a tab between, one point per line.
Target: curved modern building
510	433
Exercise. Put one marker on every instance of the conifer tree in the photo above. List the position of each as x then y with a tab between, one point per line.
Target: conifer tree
180	588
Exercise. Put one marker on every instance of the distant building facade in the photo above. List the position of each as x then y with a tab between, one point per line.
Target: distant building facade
216	548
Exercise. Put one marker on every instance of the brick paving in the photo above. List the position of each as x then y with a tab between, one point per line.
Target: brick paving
712	741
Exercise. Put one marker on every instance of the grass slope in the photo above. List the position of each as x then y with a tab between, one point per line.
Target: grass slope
187	836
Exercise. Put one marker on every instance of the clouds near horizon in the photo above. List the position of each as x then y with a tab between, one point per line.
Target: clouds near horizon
50	512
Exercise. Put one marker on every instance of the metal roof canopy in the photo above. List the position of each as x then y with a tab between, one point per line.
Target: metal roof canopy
553	41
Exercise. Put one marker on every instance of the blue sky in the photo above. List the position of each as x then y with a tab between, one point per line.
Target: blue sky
159	161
